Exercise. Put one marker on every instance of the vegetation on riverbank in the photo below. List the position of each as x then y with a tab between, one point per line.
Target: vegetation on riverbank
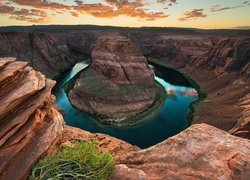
82	160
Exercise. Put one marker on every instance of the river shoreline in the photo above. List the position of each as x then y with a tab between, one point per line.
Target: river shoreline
145	128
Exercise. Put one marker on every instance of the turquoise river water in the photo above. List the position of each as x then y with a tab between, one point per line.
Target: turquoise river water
170	119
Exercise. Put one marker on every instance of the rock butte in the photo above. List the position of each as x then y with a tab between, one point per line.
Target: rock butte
118	86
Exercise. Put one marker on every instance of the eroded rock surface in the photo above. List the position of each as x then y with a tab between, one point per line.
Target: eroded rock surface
29	122
44	52
224	74
118	85
199	152
229	55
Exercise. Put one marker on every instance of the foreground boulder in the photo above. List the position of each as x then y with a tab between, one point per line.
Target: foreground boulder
29	122
118	87
200	152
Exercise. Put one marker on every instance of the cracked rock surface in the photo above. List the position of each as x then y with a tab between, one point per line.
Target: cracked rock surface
200	152
29	122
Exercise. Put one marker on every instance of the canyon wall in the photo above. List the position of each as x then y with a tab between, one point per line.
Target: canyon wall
219	63
224	74
55	53
43	51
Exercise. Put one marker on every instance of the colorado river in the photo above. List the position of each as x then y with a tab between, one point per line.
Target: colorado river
170	119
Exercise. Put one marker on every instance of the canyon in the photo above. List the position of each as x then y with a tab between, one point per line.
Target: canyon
219	63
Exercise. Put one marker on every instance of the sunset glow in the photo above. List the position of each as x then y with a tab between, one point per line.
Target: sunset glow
132	13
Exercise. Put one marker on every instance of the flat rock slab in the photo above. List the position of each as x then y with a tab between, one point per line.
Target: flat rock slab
199	152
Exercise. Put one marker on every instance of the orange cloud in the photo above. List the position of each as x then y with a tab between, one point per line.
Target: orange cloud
131	9
112	8
30	15
194	14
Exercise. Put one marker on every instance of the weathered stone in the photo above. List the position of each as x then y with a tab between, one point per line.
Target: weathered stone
199	152
29	122
122	172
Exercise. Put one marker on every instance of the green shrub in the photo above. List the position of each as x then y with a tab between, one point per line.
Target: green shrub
81	161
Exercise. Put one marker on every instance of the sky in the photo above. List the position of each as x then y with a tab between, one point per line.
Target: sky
205	14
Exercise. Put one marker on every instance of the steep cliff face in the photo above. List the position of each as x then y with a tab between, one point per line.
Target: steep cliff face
54	53
43	51
199	152
118	85
229	55
180	48
224	74
29	122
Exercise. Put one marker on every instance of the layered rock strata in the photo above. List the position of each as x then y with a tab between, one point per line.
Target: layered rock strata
227	86
44	52
118	85
199	152
30	124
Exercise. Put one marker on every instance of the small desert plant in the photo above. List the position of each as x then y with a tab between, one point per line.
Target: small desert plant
80	161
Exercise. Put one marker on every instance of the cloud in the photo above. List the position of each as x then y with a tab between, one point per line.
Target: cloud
30	15
131	9
106	9
191	15
217	8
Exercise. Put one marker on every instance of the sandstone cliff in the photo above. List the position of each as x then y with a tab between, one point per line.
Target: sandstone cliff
55	53
199	152
229	55
224	74
118	85
44	52
29	122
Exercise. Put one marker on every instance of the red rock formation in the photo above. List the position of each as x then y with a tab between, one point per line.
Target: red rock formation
199	152
180	48
118	85
229	55
43	51
29	122
224	74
